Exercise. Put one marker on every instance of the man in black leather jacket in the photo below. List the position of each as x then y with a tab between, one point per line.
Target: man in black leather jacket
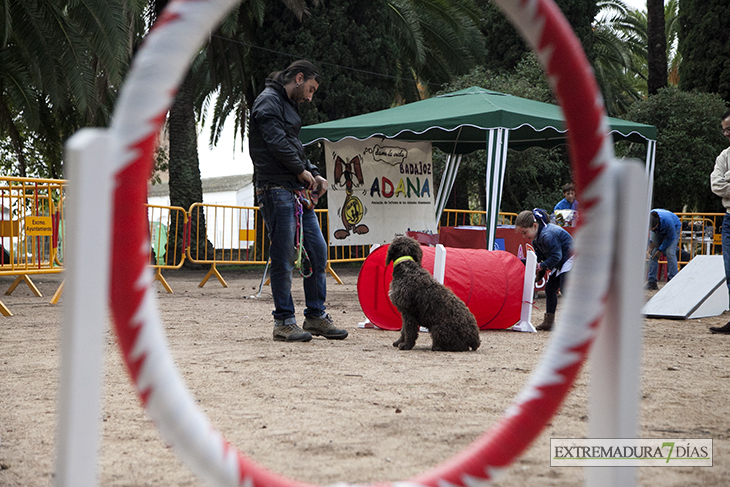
282	172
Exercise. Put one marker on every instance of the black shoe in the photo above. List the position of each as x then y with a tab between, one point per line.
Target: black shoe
290	333
651	286
724	330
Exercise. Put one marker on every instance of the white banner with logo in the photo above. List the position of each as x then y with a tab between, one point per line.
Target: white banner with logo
378	188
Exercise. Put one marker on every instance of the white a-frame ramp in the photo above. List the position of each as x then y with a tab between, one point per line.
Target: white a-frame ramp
697	291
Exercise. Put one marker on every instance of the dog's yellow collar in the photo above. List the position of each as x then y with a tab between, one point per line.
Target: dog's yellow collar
401	259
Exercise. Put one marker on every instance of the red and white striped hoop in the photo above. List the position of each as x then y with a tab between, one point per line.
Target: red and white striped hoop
143	104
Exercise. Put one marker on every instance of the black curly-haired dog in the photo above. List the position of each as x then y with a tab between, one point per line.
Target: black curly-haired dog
423	301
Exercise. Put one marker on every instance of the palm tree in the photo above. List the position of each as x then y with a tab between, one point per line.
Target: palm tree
621	40
61	63
619	45
674	57
434	40
656	46
217	66
438	38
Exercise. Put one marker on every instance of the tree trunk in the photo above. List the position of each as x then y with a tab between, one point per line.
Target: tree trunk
186	186
657	46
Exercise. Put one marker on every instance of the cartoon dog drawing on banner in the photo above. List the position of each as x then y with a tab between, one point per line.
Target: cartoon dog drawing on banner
352	211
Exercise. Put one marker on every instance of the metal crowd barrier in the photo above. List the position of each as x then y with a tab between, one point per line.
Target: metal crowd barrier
701	232
235	235
32	228
701	235
31	231
339	253
166	224
457	218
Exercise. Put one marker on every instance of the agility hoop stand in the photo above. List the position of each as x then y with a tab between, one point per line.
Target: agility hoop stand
85	309
605	283
528	295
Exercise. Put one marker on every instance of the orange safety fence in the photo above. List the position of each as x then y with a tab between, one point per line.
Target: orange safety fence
32	228
701	232
701	235
167	228
234	235
457	218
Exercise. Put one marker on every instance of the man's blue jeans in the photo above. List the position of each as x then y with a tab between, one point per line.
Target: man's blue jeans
726	247
278	207
670	253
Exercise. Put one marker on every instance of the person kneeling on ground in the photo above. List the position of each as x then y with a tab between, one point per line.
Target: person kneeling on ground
665	231
554	248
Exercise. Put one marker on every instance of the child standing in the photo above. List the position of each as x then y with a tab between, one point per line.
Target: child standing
554	248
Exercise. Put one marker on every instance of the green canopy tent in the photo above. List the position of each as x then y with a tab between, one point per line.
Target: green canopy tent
464	121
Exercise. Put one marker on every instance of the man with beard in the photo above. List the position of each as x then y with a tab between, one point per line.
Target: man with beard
286	185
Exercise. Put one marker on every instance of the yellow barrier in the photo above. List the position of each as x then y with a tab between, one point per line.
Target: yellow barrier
31	231
456	218
32	228
701	235
166	224
236	235
700	231
344	253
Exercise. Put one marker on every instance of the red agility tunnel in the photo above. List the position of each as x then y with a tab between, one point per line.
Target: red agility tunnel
489	282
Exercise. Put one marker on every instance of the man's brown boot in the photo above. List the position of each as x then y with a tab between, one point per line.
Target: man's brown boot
547	322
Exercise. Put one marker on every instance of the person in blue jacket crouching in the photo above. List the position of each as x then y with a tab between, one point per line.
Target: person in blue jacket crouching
665	231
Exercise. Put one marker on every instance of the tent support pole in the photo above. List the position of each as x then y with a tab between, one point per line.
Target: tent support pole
650	166
447	179
497	141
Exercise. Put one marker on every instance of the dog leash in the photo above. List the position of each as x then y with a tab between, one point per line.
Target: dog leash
302	263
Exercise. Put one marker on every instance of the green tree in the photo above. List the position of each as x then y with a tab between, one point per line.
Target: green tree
505	46
60	65
704	41
620	47
688	142
349	40
656	46
621	44
372	54
214	67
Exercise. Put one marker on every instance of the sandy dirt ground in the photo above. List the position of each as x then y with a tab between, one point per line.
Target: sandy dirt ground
356	410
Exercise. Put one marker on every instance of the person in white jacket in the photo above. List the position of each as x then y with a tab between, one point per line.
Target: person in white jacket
720	184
